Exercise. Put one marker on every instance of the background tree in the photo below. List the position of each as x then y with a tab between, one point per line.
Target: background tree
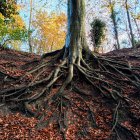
135	14
135	20
29	28
97	33
12	27
129	23
8	7
111	7
49	31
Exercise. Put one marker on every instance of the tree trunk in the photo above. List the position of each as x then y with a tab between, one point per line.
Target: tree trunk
113	16
138	30
130	26
29	32
76	38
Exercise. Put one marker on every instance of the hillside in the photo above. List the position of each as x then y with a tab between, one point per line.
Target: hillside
15	125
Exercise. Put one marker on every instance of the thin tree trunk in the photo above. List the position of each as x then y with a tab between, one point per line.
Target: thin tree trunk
137	27
29	29
93	39
130	26
51	47
113	16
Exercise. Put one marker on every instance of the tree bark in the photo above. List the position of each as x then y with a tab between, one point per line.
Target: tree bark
129	23
113	16
138	30
76	38
29	32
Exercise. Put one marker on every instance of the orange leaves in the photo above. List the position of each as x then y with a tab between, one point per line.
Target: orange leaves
51	31
15	73
20	127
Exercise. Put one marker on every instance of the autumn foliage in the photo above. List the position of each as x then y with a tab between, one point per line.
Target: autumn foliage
12	26
50	31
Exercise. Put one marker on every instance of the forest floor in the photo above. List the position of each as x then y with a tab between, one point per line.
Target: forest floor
16	126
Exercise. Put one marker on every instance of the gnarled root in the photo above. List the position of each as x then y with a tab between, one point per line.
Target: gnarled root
60	98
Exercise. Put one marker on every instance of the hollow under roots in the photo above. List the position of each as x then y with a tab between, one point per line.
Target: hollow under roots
66	96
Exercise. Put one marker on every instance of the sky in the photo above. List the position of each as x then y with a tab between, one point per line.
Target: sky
44	5
92	12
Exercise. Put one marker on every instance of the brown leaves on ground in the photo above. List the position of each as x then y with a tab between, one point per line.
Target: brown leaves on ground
19	127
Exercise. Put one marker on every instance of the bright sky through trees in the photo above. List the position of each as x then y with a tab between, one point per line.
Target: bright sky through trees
95	9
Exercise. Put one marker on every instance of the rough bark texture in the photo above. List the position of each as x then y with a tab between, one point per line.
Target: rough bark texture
130	25
76	39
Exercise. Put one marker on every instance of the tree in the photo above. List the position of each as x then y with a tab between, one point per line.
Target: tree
12	26
138	30
136	18
8	7
29	28
129	23
97	33
51	28
113	17
66	103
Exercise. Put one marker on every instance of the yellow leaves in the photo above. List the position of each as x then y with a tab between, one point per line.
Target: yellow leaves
135	16
14	19
52	30
18	7
16	44
12	27
111	6
138	17
18	22
1	16
127	6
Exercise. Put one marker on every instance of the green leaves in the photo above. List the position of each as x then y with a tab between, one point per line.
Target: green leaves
8	7
7	31
97	32
12	27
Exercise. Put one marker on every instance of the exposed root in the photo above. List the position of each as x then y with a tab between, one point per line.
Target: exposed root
107	77
115	118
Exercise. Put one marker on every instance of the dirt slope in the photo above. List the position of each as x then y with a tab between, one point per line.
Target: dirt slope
18	127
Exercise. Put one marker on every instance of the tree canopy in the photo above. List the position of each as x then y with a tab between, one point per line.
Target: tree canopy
12	26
